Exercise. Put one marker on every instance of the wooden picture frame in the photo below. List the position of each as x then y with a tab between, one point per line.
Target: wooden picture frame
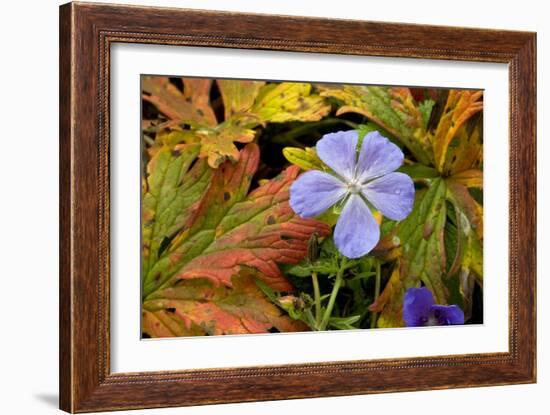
86	33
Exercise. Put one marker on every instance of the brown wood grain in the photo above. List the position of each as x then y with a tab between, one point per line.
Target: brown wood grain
86	33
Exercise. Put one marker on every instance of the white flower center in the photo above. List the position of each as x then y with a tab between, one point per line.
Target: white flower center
354	187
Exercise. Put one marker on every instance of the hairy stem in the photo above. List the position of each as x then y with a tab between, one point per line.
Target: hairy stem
317	297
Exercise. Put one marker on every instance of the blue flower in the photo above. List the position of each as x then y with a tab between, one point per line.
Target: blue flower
419	309
359	179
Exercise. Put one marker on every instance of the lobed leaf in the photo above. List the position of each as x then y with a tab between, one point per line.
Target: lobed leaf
469	178
390	301
344	323
425	108
289	101
231	230
419	240
199	307
460	106
238	95
466	206
465	151
191	105
467	266
217	144
306	158
392	108
172	191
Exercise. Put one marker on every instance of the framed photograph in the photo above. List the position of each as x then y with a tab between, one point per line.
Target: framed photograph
260	207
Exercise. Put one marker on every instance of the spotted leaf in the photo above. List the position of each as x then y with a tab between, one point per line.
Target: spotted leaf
231	230
418	243
191	105
289	101
171	192
392	108
452	136
199	307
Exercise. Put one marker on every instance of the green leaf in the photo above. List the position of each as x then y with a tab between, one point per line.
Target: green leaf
322	266
392	108
306	159
473	257
289	101
266	289
464	262
369	127
419	241
421	237
467	207
198	307
344	323
419	171
425	109
171	192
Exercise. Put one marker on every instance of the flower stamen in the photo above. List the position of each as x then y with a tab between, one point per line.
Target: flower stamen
354	188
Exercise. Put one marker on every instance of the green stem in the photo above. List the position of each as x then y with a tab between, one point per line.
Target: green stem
291	136
317	296
333	294
374	315
148	140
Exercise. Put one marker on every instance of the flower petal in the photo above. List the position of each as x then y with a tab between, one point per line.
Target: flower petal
356	231
339	152
314	192
378	156
392	194
417	303
446	315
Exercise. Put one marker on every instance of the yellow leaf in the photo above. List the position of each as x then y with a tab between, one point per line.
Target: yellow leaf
460	106
306	159
217	145
289	101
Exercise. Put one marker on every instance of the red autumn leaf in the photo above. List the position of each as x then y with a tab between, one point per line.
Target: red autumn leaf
230	230
191	105
198	307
